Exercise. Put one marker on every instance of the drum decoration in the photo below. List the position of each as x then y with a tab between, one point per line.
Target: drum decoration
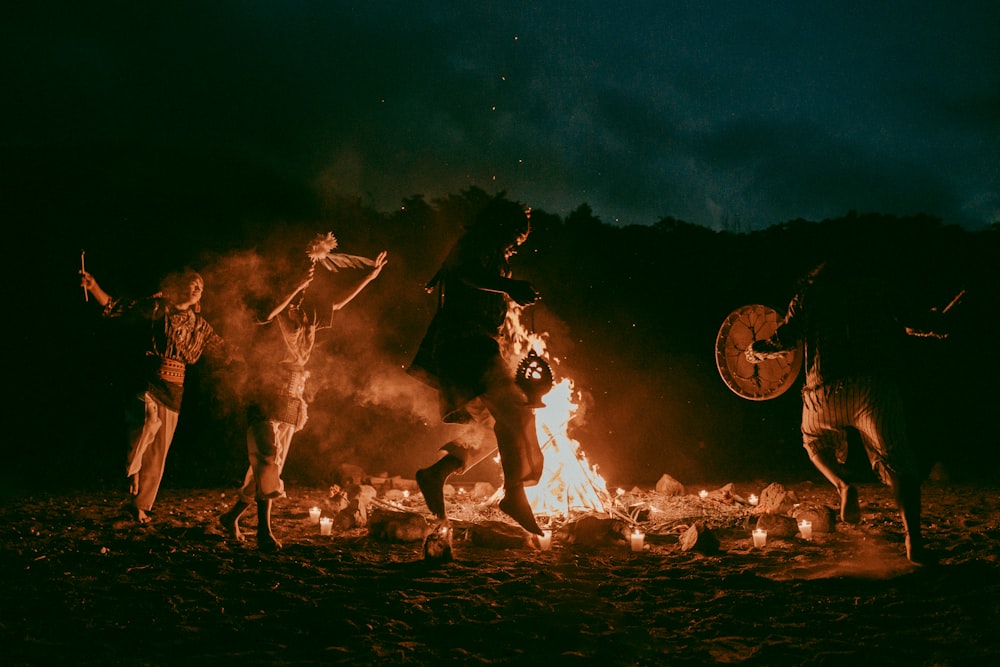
766	379
534	377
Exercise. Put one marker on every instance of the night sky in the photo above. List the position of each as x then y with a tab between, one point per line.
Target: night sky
732	115
156	134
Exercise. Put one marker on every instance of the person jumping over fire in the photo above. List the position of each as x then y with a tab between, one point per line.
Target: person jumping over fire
460	356
178	335
277	408
852	340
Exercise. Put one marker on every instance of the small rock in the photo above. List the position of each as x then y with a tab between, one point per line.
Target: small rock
669	486
699	538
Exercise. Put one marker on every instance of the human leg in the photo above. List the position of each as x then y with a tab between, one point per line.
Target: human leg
884	433
906	490
268	443
230	520
142	422
266	541
825	440
850	508
520	454
431	480
154	460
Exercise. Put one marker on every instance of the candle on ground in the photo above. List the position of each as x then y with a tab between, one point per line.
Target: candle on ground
637	540
545	540
806	529
759	537
325	525
314	514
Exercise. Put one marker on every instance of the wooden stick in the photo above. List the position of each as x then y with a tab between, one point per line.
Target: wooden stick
83	268
953	301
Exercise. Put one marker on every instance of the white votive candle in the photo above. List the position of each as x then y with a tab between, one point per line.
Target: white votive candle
753	499
806	529
545	540
703	493
637	540
314	514
759	537
325	525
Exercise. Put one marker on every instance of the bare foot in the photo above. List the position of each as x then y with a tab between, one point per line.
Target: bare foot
268	542
850	509
515	505
915	552
230	523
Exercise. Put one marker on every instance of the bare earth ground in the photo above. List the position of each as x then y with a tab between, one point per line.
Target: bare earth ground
80	585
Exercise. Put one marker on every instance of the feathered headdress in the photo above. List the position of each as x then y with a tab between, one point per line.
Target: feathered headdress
321	249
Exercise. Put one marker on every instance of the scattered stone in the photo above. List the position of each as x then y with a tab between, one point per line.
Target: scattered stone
669	486
595	531
823	517
499	535
355	514
776	499
398	526
778	525
348	474
700	538
437	544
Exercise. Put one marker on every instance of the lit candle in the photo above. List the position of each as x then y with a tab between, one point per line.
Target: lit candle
314	515
759	537
637	540
545	540
806	529
753	499
703	493
406	493
325	525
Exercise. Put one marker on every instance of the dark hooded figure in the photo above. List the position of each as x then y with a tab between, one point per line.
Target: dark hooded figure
461	357
846	321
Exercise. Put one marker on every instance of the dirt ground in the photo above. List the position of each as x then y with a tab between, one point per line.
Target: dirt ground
83	585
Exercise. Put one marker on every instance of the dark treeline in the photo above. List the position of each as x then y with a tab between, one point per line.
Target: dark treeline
631	315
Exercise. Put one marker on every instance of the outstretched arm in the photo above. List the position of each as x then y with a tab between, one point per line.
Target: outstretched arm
89	284
520	291
380	262
288	299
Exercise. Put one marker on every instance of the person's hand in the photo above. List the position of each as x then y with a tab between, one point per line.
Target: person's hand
87	281
522	292
380	261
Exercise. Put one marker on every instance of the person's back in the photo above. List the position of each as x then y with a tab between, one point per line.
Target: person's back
849	327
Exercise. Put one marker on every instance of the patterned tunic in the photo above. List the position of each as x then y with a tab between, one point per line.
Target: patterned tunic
177	338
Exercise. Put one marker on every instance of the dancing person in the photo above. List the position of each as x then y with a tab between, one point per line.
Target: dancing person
178	336
277	407
460	356
851	337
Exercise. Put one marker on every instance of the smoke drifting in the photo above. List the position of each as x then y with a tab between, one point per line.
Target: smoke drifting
364	409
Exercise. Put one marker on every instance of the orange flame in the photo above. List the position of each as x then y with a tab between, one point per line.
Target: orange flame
569	482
